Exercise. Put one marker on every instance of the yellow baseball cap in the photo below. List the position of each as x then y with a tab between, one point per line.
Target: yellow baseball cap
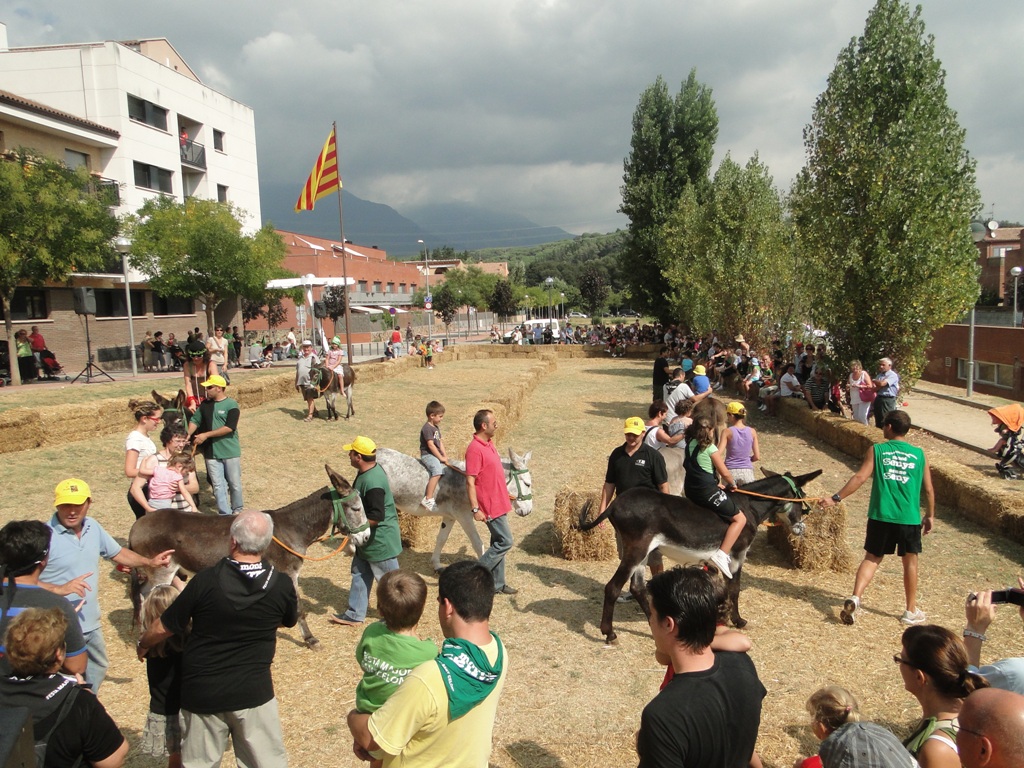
736	409
699	370
215	381
634	426
364	446
71	492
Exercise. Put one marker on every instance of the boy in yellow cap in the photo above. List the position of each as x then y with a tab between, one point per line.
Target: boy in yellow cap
214	428
76	546
380	552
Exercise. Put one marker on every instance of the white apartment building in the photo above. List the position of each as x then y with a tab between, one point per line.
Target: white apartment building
175	135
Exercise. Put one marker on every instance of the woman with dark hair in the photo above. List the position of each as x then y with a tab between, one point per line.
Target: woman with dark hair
933	664
82	729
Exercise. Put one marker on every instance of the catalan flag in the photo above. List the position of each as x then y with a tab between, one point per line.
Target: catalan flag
324	180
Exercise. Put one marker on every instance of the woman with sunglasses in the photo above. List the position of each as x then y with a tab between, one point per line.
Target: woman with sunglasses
934	667
139	446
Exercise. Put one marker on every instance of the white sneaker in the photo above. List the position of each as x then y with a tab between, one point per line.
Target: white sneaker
724	563
917	617
428	504
850	606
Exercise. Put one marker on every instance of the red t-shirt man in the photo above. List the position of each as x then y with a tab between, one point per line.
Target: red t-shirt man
488	494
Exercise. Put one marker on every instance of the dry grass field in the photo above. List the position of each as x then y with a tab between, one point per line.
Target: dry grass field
569	700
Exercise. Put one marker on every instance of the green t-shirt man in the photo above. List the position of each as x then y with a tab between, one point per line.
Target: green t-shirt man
896	490
212	415
385	539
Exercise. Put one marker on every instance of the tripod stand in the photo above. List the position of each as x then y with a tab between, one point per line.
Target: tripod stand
90	366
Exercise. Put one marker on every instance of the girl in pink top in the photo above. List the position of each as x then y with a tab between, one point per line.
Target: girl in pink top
167	481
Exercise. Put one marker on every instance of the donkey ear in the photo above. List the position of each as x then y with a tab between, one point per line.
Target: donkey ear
803	480
768	473
340	483
180	399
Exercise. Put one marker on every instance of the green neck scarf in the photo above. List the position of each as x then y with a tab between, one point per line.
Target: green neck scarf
467	674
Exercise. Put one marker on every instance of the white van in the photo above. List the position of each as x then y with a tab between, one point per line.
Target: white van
528	331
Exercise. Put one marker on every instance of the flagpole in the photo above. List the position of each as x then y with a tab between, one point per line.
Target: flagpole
344	256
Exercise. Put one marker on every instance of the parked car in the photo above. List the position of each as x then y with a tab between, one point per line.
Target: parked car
528	327
580	315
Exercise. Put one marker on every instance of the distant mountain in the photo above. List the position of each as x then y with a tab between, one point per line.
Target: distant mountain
467	227
462	226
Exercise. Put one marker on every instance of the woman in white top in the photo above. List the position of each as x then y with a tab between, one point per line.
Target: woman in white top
139	446
217	346
858	384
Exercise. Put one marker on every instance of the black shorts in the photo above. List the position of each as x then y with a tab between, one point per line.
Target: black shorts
884	538
714	499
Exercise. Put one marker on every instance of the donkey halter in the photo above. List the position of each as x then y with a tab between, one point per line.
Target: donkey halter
798	495
514	475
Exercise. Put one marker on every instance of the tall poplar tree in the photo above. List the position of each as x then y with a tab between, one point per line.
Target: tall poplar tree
884	203
672	148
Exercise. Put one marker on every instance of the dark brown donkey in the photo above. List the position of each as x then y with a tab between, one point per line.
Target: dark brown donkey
645	519
329	384
200	541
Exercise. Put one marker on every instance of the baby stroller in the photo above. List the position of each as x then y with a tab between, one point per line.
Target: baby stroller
1009	423
51	369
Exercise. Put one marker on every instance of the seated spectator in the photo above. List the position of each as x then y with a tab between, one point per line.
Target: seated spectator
35	650
1007	674
864	745
933	664
789	386
830	708
816	390
991	729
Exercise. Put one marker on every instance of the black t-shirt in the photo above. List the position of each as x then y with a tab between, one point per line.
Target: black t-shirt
644	469
164	675
31	596
660	374
704	719
235	609
87	730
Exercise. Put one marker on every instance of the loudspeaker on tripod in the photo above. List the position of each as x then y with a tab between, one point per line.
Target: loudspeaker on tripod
85	301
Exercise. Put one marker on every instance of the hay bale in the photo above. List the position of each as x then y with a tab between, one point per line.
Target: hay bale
823	546
418	532
596	544
20	430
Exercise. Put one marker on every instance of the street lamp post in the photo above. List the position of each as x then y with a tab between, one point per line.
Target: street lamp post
428	299
124	246
549	282
1016	275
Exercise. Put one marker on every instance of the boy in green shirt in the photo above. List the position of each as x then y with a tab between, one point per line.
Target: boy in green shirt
389	649
900	471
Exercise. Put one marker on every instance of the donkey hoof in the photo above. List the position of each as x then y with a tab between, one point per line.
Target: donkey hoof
314	645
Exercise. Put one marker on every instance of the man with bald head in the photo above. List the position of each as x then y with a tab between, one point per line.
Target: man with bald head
991	730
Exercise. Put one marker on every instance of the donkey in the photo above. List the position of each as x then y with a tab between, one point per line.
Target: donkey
200	541
408	479
328	383
645	519
174	407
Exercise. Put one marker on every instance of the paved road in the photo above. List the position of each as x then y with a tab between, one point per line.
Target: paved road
948	413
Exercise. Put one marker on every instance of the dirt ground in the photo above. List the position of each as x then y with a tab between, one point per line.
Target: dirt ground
569	700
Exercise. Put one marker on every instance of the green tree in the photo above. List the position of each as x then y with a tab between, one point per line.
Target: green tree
335	297
502	301
197	248
884	203
50	226
731	260
672	148
446	306
593	291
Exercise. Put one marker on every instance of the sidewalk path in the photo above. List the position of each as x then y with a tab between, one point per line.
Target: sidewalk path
948	413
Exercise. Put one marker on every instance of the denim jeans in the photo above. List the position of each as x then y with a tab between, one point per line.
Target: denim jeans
96	668
501	542
226	477
363	575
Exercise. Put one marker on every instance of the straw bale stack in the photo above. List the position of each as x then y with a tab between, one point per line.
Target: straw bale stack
596	544
418	532
20	430
823	546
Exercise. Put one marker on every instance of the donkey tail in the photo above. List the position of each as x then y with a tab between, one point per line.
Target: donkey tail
583	525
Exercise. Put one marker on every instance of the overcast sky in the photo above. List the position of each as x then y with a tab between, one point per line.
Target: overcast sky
526	105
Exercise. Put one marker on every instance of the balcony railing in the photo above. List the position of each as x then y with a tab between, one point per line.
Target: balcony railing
193	153
107	190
